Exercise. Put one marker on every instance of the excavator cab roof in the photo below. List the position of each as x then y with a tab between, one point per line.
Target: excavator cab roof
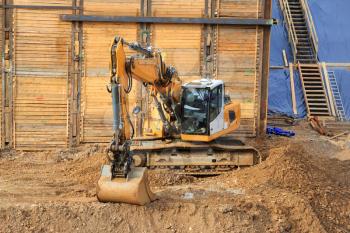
204	83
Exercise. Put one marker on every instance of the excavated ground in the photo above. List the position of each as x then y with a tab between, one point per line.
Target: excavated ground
302	186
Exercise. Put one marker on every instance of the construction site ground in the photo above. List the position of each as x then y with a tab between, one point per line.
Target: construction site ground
302	185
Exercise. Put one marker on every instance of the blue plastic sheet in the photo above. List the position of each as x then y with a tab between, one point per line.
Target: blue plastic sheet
279	38
331	19
280	100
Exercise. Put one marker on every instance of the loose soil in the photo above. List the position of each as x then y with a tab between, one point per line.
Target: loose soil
302	185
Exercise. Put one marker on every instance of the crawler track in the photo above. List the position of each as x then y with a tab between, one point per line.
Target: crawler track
195	158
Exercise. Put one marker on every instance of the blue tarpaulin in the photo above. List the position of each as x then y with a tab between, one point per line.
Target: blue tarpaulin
279	38
280	99
331	19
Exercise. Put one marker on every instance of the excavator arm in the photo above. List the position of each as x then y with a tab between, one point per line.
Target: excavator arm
148	68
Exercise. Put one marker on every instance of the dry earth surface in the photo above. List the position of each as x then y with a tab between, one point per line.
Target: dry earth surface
302	185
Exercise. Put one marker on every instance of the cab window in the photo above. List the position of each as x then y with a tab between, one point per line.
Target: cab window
215	102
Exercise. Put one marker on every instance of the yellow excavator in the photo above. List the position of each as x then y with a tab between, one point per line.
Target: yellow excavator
194	116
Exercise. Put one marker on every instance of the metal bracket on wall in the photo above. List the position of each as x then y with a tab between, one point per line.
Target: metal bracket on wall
7	118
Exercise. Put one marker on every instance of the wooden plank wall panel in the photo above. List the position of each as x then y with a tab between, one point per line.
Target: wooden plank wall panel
181	44
97	113
237	66
42	42
181	47
97	110
240	8
41	55
112	7
98	39
40	113
43	2
178	8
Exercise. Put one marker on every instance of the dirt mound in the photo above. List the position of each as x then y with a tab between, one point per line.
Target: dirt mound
319	183
300	187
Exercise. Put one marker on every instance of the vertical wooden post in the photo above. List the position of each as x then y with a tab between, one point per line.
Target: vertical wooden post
80	69
292	88
205	31
214	31
7	128
265	70
148	26
75	76
140	99
3	75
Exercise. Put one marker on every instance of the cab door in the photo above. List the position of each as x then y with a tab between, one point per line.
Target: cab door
216	110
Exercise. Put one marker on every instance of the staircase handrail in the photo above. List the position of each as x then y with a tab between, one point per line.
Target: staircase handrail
290	26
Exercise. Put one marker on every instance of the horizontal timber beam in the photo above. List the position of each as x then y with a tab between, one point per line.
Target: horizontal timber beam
168	20
38	7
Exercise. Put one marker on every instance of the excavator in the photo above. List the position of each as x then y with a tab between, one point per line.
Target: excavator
193	117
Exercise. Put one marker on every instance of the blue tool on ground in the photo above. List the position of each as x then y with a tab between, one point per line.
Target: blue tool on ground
279	131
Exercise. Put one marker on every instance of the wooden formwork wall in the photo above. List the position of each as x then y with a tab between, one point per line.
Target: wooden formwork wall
41	58
96	118
180	44
239	60
42	63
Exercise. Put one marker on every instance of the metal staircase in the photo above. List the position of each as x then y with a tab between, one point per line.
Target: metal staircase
314	90
301	31
337	97
304	42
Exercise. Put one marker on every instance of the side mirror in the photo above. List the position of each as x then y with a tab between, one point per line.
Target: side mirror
136	110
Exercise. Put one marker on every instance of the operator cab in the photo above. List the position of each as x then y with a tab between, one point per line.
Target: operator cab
202	107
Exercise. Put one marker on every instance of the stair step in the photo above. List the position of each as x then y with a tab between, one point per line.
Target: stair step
310	71
305	79
304	48
294	3
320	113
305	55
315	95
313	87
319	108
304	44
315	91
317	101
298	16
313	82
305	40
313	99
323	106
310	66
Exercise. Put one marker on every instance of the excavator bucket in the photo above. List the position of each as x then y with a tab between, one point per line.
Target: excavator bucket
132	190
